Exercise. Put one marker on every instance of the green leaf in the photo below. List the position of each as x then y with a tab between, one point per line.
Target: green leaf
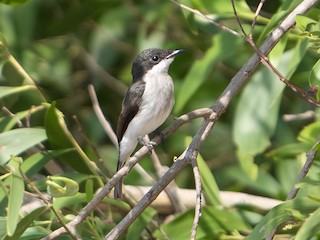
33	164
310	227
280	214
7	91
271	186
26	222
137	227
60	138
289	150
58	186
309	133
287	172
210	187
257	110
208	182
8	122
314	76
303	22
15	195
213	222
29	167
89	189
201	68
246	161
284	10
16	141
69	201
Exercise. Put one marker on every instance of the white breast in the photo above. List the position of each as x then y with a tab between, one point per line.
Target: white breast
157	101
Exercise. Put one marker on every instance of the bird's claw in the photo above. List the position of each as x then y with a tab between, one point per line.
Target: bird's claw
150	145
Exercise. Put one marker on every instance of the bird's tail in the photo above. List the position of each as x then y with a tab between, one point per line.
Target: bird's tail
118	186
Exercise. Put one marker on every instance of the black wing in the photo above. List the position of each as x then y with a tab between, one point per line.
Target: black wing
130	107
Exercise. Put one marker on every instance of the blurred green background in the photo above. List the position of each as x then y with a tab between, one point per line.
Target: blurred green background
66	45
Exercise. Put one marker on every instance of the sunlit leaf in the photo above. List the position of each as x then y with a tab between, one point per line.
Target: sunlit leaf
7	91
208	182
16	141
58	186
8	122
255	120
60	138
303	22
309	133
213	222
141	223
26	222
289	150
16	193
280	214
314	77
201	68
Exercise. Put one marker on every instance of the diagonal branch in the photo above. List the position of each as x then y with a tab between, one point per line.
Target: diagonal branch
219	108
265	61
124	171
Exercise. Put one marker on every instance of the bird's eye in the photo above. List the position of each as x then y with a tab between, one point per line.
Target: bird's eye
155	58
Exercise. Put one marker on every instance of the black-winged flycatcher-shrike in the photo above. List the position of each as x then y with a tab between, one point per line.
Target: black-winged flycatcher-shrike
147	104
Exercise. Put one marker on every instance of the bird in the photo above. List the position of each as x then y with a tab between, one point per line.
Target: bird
147	103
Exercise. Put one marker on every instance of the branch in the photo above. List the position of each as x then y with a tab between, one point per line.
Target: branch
197	12
211	116
255	16
97	109
308	115
218	108
265	61
177	166
304	171
197	210
172	189
203	112
189	197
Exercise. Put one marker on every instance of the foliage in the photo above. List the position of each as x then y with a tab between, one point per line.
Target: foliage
51	50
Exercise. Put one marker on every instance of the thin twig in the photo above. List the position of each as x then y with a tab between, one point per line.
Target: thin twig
265	61
12	115
188	197
219	107
184	159
197	12
172	188
197	210
256	14
96	69
26	77
105	124
308	115
95	150
306	167
51	166
238	19
203	112
304	171
108	129
48	204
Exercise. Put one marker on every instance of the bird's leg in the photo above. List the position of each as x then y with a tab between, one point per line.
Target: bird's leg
149	145
161	135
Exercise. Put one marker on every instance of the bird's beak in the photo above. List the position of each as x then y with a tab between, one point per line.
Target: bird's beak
175	53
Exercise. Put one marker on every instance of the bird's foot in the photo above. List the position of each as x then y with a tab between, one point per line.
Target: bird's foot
149	145
162	136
